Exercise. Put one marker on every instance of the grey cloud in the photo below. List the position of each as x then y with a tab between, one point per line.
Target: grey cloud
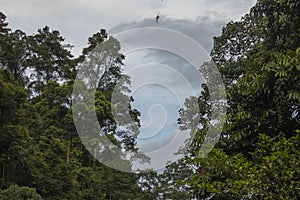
164	150
77	19
202	30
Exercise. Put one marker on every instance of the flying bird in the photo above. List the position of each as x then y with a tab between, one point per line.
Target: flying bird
157	17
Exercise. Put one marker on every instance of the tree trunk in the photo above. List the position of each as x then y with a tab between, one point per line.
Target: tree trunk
69	147
95	154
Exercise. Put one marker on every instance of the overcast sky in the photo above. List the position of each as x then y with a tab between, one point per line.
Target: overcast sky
79	19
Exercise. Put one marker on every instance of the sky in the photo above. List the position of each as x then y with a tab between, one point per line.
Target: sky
79	19
161	79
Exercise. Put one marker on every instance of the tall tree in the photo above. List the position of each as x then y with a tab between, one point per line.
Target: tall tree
50	59
259	61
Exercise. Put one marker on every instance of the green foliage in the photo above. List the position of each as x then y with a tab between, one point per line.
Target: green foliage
257	156
50	58
40	145
15	192
272	173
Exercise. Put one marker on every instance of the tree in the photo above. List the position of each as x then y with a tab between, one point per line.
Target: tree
50	59
257	86
14	135
42	151
259	61
19	193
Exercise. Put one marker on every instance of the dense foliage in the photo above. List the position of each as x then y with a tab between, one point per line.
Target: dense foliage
257	156
42	155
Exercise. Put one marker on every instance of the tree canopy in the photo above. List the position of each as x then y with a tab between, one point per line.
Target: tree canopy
257	156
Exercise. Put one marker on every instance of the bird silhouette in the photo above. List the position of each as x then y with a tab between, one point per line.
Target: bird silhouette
157	17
